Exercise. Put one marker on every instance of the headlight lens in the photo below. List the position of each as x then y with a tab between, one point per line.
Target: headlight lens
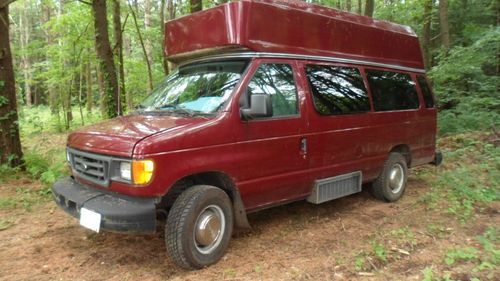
126	170
142	171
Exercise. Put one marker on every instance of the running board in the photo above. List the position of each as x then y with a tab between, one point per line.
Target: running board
335	187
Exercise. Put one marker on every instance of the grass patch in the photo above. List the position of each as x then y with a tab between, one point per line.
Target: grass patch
35	120
470	178
461	254
5	223
46	167
7	203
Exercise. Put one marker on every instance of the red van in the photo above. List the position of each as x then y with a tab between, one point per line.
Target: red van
272	102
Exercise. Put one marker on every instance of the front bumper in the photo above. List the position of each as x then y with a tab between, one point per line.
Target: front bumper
119	213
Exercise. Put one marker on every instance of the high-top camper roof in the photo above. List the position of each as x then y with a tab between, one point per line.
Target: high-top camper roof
291	27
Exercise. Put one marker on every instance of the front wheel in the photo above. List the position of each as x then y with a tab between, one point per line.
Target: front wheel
199	227
391	183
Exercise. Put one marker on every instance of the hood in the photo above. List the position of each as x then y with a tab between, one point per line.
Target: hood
119	136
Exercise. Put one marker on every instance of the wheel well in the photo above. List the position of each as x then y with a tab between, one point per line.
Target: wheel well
404	150
217	179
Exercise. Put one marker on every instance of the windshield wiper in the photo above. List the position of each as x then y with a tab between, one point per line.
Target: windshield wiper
177	109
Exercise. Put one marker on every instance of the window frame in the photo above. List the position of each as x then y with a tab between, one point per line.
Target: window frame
310	89
251	74
433	97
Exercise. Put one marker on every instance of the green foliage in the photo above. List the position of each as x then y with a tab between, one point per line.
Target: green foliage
7	203
379	251
360	261
39	120
466	84
46	168
428	274
491	257
461	254
3	100
7	172
5	223
471	183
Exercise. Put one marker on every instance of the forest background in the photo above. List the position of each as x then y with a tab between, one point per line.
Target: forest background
77	62
68	63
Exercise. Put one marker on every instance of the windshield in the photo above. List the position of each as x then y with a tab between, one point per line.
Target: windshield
196	89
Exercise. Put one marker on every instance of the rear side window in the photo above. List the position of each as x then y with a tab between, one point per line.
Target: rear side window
337	90
426	91
392	91
277	81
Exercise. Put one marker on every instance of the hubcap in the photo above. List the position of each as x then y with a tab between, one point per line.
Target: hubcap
396	178
209	229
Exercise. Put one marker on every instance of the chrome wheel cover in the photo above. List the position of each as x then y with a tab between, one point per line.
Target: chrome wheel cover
396	178
209	229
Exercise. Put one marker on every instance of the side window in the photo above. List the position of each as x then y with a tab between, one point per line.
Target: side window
426	91
277	81
337	89
392	91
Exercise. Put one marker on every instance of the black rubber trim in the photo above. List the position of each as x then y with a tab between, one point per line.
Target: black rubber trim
438	158
119	213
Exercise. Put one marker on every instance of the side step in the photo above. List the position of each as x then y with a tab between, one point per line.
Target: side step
335	187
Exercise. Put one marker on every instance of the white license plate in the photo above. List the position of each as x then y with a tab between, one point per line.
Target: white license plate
90	219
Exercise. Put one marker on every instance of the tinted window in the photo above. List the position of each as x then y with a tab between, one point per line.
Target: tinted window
392	91
426	91
337	89
277	81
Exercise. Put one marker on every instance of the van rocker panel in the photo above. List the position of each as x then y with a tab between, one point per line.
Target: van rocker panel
119	213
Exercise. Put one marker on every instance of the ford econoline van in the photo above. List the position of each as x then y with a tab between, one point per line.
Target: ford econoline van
271	102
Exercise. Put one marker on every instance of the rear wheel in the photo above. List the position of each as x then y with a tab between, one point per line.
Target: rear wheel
391	183
199	227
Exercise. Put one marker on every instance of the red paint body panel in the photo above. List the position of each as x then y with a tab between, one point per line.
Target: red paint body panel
263	157
118	136
291	27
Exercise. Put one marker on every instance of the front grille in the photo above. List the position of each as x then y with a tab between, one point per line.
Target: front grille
89	166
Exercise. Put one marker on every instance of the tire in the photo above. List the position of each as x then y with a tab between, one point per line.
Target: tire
391	183
209	208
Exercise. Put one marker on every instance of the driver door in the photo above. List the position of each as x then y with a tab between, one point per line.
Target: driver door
274	149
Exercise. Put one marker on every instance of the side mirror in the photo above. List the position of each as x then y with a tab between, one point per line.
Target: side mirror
260	106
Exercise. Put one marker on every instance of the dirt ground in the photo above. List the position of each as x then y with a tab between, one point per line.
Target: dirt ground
299	241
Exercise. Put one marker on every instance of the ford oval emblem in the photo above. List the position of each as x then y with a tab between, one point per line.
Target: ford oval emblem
84	166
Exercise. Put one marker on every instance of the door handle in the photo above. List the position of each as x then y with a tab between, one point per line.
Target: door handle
303	146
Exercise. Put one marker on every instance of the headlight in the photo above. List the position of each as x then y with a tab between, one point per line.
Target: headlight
137	172
142	171
126	170
68	156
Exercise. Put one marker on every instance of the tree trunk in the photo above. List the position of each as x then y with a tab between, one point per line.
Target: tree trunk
171	9
360	7
369	8
150	75
445	29
24	33
105	58
195	6
49	40
80	94
348	5
90	95
127	48
162	27
117	30
426	44
10	143
147	25
102	95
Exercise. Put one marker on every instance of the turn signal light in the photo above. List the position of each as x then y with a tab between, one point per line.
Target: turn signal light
142	171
